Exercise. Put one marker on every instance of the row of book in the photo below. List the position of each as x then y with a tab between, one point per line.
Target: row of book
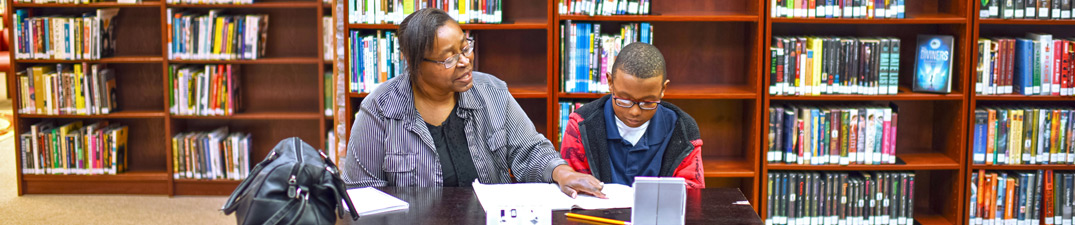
375	58
89	36
67	89
71	148
1021	197
74	1
215	36
394	11
587	55
834	65
855	9
840	198
566	108
842	135
215	155
1035	65
603	7
227	2
204	90
1026	9
1024	135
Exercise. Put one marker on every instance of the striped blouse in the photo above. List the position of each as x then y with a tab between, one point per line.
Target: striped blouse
390	144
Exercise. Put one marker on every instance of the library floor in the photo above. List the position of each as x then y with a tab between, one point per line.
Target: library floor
96	209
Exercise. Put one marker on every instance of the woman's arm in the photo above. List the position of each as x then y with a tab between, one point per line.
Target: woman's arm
531	155
365	148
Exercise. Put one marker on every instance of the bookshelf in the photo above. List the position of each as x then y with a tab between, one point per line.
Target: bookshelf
930	140
282	94
1007	28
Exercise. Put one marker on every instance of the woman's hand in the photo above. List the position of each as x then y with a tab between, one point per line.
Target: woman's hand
572	183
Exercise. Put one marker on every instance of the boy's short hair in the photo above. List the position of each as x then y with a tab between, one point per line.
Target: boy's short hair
640	60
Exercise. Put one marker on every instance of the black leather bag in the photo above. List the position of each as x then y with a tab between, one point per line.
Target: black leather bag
295	184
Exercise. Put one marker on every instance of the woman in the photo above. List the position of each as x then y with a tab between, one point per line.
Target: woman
442	124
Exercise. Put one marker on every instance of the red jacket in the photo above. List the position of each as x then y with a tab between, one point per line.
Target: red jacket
585	139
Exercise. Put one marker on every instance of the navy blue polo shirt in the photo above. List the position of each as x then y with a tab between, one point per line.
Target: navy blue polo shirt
644	157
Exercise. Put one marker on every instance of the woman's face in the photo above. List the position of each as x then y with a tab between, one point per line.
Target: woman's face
450	43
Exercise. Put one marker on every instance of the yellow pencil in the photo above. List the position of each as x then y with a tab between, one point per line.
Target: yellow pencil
596	219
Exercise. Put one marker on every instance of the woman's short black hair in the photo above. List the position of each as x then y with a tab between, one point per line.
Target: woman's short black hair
418	34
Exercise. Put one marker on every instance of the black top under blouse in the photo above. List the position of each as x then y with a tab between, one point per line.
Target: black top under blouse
451	141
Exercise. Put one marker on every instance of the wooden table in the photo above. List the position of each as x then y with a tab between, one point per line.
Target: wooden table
460	206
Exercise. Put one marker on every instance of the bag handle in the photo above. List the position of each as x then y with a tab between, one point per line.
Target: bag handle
230	206
340	188
299	202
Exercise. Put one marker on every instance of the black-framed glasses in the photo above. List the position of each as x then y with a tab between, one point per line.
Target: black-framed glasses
627	103
453	60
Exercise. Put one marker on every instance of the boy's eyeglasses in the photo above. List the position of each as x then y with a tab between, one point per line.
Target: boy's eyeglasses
627	103
453	60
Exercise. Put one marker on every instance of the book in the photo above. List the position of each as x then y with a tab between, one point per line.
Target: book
1016	135
863	66
96	149
92	90
85	37
589	54
394	11
215	36
824	135
854	9
204	90
214	155
933	64
840	198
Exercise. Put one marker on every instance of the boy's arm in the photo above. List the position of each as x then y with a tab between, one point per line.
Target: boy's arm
691	167
571	148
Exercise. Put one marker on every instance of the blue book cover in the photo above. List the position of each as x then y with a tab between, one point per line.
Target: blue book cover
1024	66
981	132
933	64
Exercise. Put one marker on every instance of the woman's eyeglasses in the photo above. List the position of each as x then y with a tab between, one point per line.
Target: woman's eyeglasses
452	61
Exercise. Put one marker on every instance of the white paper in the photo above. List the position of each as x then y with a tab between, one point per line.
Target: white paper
548	195
369	201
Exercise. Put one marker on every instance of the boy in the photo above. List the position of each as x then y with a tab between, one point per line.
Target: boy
630	132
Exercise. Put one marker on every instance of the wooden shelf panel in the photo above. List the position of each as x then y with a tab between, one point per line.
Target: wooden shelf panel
1022	167
688	92
1013	97
205	187
146	4
722	167
256	5
152	183
260	116
1026	22
115	115
671	17
127	176
914	161
528	91
522	24
277	60
117	59
920	19
930	219
357	95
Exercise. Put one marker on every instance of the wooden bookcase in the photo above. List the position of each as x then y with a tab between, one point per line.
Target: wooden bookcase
1013	28
931	135
282	94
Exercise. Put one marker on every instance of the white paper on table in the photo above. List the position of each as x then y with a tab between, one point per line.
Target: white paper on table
548	195
369	201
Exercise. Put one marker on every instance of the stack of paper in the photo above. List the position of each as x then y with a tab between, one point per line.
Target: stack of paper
369	201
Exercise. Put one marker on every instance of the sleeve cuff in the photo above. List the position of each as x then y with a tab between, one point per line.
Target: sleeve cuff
547	175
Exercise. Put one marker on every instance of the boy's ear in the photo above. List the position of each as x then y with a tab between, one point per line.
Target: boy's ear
664	87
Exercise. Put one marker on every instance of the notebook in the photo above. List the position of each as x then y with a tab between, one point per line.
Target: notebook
369	201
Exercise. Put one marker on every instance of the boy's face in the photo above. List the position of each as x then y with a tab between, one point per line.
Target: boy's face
627	86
